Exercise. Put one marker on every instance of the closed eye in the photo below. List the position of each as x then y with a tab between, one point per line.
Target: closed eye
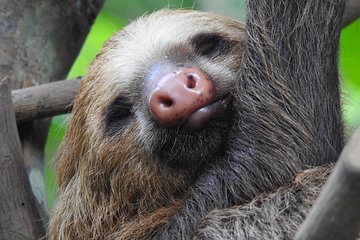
117	115
211	44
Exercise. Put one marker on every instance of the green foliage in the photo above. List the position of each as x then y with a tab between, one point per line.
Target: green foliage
350	73
56	134
115	15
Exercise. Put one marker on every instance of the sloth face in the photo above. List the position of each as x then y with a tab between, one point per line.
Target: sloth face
167	82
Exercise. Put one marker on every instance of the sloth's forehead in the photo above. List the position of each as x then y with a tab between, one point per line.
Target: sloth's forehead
158	36
179	25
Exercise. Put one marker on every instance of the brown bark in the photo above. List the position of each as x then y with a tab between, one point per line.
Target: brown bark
39	40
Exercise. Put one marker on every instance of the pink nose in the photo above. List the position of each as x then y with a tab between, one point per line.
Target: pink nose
177	95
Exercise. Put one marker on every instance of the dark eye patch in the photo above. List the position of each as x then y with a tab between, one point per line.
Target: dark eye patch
117	115
211	44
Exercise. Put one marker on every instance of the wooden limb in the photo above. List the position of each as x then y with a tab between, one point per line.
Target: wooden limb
39	41
19	216
352	12
336	213
45	100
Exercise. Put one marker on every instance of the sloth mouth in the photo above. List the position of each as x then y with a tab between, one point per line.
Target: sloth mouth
199	137
201	117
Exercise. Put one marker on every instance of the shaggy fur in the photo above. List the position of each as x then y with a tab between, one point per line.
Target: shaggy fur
275	215
122	176
112	181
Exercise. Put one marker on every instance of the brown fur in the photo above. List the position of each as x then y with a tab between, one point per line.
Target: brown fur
111	187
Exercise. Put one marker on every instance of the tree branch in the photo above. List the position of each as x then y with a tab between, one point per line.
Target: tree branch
45	100
336	213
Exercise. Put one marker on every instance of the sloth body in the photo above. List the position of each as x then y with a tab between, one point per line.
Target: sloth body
135	165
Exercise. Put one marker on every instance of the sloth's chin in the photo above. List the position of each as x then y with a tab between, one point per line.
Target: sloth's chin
201	117
201	138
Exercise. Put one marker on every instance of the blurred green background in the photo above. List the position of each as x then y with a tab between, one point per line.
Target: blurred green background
115	14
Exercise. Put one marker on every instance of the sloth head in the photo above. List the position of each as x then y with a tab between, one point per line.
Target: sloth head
163	86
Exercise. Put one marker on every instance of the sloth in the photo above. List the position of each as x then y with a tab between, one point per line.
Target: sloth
183	113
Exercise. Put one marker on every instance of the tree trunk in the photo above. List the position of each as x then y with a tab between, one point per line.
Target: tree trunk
19	216
39	40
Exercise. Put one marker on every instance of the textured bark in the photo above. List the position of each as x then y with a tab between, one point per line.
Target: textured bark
39	40
19	216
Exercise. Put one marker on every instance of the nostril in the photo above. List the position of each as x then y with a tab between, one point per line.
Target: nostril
191	81
165	102
175	97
